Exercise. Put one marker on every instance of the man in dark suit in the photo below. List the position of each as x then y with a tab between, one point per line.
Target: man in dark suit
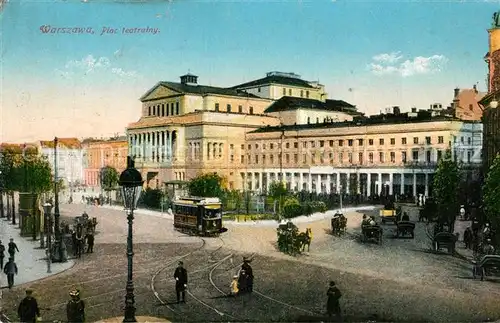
181	280
10	269
28	309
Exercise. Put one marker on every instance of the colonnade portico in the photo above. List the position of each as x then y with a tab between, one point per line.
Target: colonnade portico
369	181
154	146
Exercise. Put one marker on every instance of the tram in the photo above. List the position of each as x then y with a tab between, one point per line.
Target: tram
198	215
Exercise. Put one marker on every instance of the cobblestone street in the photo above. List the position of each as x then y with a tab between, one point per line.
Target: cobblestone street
399	280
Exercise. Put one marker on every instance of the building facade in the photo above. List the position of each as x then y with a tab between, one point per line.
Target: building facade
397	152
187	129
99	153
69	159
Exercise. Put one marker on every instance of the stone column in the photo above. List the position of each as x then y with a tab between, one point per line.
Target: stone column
252	183
348	183
153	146
328	183
318	184
402	189
301	181
415	185
358	179
293	182
380	184
169	145
391	181
158	145
426	184
368	184
268	181
260	182
337	183
310	182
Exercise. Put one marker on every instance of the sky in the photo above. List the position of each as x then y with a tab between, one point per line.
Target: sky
78	68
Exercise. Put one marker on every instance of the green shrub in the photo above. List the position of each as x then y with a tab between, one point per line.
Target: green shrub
291	208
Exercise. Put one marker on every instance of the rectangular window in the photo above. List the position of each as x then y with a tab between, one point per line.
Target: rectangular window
341	158
440	139
428	156
322	143
284	91
341	143
258	90
217	107
313	144
415	155
313	158
242	159
290	92
271	159
177	108
370	157
469	156
331	143
360	142
271	146
256	159
322	158
428	140
263	159
228	108
469	140
301	93
393	157
307	94
295	145
381	156
415	140
287	145
360	158
149	112
349	157
393	141
287	158
350	142
242	147
439	155
240	109
331	158
403	141
381	141
403	156
370	142
232	158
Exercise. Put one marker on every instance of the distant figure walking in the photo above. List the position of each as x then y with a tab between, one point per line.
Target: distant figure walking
90	243
75	309
2	254
10	269
28	309
181	280
333	303
12	248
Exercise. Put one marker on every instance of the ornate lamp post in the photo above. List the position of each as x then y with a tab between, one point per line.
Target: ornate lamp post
1	194
59	250
47	208
131	186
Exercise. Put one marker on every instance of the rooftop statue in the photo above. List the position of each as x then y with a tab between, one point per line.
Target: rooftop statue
496	20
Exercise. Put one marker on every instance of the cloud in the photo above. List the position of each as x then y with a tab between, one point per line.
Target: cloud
385	64
90	64
388	57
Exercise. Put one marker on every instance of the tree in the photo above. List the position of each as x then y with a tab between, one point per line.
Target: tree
35	171
278	190
109	178
207	185
491	195
446	189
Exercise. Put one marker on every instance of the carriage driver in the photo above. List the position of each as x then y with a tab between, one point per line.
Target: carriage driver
365	221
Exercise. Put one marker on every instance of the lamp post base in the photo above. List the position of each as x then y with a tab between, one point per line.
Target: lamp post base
129	303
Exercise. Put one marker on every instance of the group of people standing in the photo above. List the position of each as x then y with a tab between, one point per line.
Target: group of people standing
10	268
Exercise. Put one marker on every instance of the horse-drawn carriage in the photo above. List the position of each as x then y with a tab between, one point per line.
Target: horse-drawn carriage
488	265
389	213
371	233
291	240
444	240
339	224
405	228
79	233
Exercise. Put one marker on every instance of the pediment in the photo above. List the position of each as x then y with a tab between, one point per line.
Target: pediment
159	91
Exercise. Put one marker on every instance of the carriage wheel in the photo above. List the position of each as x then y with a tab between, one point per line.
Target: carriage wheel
380	238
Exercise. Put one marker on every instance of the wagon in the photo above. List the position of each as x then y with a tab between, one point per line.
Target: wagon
371	233
444	240
405	228
339	224
487	265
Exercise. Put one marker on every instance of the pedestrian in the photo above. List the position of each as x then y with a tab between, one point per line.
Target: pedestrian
75	309
10	269
181	280
2	254
234	286
28	310
333	303
12	248
90	242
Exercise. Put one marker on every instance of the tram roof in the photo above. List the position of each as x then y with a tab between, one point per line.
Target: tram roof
198	200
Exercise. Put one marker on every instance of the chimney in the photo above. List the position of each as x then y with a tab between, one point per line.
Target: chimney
457	90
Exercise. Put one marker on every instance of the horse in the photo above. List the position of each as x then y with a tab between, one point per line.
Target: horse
305	239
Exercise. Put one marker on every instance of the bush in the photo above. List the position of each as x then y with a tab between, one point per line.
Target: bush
291	208
151	198
314	206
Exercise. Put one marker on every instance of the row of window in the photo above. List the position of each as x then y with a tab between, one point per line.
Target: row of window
229	108
164	109
342	143
321	158
290	92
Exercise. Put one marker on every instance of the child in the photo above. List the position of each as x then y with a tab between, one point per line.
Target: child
234	286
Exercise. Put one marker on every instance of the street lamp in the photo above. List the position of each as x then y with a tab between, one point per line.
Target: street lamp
1	194
47	209
131	186
494	104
